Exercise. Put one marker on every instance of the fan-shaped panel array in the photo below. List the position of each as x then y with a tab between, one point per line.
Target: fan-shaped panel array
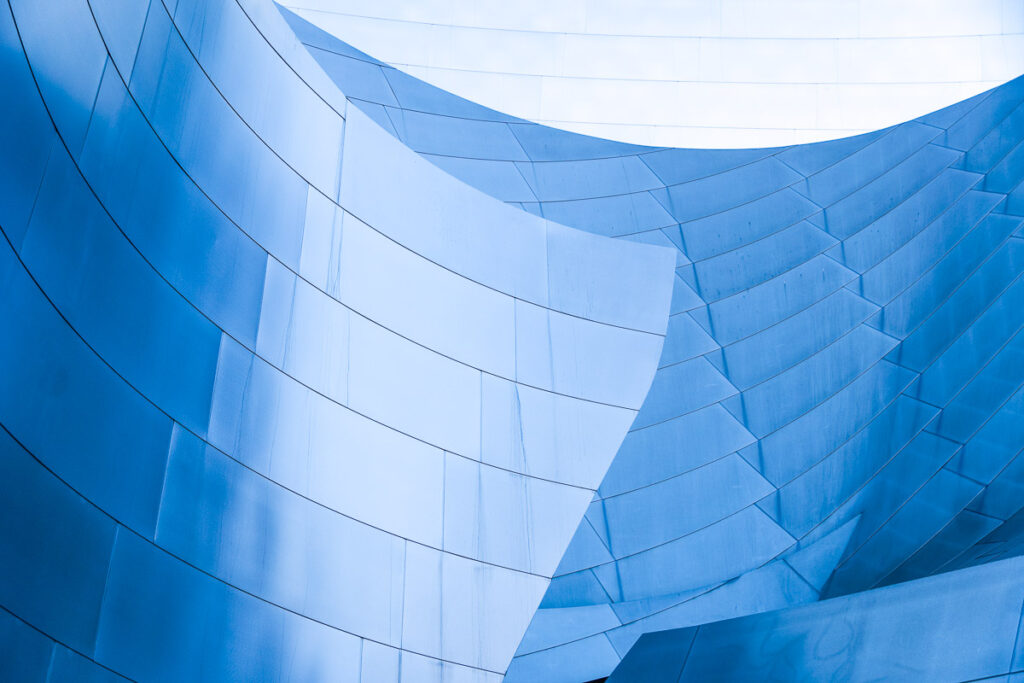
280	399
837	404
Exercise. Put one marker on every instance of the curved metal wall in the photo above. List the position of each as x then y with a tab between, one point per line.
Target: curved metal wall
838	400
280	399
693	73
283	400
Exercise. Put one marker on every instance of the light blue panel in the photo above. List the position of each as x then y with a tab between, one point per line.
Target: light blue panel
858	209
748	312
785	397
894	229
978	292
578	268
746	223
863	163
683	297
680	389
685	339
496	178
586	658
364	80
815	157
677	166
222	520
906	265
665	449
574	623
526	523
995	443
747	266
703	556
758	357
550	144
586	549
714	193
796	447
455	137
413	93
803	503
912	307
559	352
548	436
616	215
683	509
562	180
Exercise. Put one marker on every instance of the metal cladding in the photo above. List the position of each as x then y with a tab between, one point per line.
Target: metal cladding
838	403
281	400
693	73
961	626
310	371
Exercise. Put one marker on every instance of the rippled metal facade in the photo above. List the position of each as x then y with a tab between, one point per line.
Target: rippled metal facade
280	399
311	371
838	402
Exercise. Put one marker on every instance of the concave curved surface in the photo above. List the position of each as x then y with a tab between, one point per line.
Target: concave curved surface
279	399
693	73
838	401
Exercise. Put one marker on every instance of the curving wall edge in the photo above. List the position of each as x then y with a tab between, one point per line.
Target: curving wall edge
693	73
280	399
838	402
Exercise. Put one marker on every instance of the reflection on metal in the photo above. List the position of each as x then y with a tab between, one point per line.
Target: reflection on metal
838	400
693	73
311	371
281	399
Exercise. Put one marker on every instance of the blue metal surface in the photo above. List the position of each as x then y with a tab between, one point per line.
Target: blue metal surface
312	371
960	626
280	399
842	367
